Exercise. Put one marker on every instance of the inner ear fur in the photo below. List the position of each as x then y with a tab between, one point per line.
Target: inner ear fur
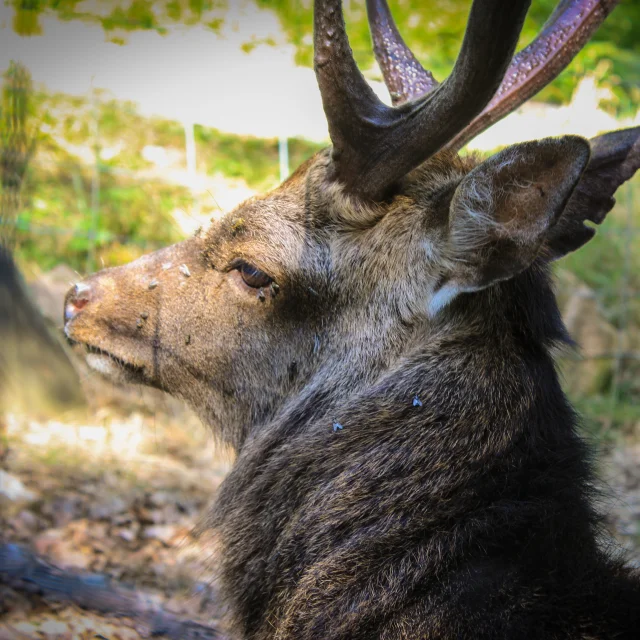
502	211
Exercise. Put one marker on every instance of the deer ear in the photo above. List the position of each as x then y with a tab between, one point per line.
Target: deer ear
615	157
502	211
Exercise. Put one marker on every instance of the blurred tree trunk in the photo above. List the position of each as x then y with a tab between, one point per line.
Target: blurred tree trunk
35	372
16	148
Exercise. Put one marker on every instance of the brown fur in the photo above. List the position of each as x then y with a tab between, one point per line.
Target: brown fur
407	464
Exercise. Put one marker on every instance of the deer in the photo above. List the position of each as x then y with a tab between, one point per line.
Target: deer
376	338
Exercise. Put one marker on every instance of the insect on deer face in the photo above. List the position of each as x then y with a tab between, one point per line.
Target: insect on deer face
323	281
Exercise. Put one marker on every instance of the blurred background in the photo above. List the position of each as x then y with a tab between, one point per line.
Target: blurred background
143	120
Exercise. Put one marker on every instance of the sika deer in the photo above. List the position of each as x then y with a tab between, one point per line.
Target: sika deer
374	339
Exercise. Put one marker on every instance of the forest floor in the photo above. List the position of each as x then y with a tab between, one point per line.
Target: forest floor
122	497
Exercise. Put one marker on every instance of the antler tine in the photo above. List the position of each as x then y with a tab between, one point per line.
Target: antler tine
404	76
375	145
347	98
568	29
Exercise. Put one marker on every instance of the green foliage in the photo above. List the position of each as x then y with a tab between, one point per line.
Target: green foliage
610	266
119	15
17	138
255	160
17	144
610	263
56	226
55	223
136	200
609	420
434	32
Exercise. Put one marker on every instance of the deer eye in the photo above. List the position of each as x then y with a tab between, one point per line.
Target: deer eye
254	277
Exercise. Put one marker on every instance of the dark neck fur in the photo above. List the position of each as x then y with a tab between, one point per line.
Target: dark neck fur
431	509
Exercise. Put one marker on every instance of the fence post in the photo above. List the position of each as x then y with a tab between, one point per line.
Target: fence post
95	184
190	148
283	154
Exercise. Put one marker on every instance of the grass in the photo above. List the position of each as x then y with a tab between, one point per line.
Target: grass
608	419
610	263
135	215
255	160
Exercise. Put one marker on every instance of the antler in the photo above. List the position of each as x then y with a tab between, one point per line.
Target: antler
565	33
373	144
404	76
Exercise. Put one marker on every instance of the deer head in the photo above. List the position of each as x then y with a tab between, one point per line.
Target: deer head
301	296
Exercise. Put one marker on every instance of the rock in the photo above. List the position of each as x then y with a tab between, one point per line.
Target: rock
108	509
46	543
161	498
128	535
588	371
49	289
25	524
62	510
13	491
56	546
165	533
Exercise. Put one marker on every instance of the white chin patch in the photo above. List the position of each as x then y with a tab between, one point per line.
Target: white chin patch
104	365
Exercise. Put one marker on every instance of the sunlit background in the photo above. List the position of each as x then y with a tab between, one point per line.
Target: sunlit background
150	118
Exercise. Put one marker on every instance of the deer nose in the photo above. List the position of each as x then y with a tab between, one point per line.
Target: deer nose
77	299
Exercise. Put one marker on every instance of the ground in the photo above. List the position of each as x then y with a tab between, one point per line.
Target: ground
119	497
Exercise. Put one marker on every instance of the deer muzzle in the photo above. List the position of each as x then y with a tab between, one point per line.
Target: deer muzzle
128	317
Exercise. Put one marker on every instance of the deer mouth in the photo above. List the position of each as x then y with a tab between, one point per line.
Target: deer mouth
113	367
